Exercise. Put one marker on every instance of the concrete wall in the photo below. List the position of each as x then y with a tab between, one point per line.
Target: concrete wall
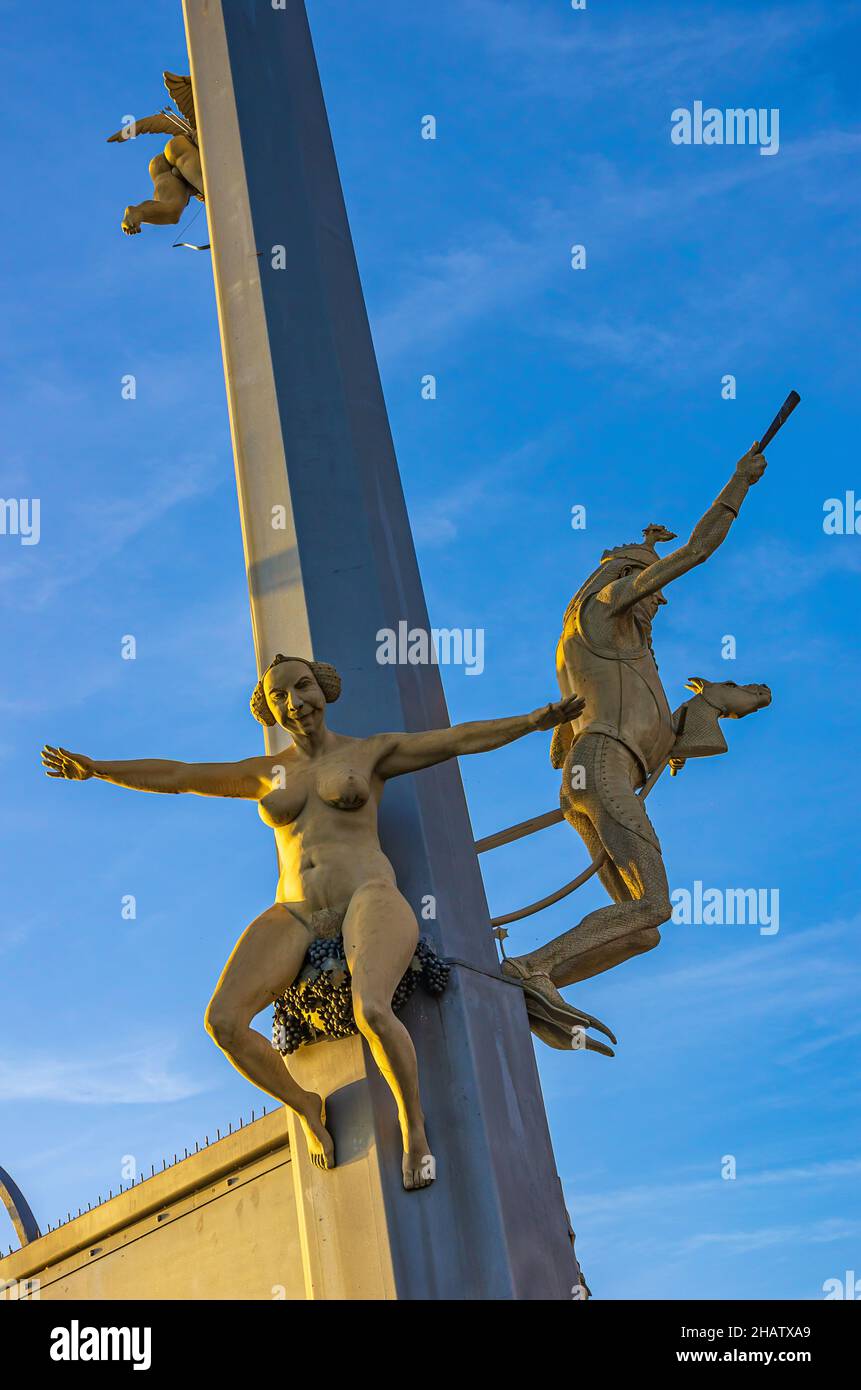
218	1225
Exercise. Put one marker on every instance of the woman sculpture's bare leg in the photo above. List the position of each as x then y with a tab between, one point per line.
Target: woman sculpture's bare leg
265	961
380	936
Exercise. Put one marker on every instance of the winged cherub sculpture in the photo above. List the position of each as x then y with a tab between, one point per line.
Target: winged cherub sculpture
176	173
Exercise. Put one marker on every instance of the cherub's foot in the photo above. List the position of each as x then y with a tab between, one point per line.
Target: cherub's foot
551	1018
321	1148
131	223
419	1164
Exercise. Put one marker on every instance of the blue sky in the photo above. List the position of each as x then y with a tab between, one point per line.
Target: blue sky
555	387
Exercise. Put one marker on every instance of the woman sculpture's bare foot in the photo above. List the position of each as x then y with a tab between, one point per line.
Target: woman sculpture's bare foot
321	1148
419	1164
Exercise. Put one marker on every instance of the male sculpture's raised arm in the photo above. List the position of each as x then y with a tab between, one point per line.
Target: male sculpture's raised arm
705	538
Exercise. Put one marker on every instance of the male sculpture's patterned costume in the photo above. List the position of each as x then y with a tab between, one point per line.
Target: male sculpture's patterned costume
625	733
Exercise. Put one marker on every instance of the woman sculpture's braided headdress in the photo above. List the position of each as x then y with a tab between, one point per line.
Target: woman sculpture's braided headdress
325	675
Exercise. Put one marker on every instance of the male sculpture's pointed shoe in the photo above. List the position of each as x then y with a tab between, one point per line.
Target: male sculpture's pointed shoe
566	1038
545	1004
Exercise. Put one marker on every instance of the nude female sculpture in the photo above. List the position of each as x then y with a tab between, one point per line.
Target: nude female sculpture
320	795
626	734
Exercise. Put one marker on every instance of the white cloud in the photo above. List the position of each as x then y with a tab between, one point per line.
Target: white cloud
671	1194
487	488
496	267
762	1238
138	1075
541	48
98	528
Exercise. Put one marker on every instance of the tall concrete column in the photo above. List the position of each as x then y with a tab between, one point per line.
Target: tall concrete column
311	439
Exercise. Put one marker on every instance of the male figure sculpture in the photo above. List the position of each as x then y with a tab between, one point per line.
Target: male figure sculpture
624	734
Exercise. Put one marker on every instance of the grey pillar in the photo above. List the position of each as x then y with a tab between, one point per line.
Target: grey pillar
311	436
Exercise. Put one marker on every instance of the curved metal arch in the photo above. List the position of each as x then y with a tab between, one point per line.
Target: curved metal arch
26	1226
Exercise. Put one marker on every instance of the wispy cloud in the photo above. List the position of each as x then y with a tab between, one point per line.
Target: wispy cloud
795	971
138	1075
447	290
99	528
542	46
496	267
487	487
771	571
762	1238
656	1195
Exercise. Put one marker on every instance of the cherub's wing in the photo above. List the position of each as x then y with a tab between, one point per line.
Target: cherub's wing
180	91
150	125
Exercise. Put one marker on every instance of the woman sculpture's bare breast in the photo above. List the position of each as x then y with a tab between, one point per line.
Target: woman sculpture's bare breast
325	822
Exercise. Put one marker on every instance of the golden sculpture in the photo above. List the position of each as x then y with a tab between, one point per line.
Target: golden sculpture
620	743
176	173
320	796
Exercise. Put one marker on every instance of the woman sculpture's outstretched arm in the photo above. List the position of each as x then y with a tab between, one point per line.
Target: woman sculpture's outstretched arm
246	779
410	752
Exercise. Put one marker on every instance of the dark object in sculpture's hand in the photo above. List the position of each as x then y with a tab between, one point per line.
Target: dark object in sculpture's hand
780	419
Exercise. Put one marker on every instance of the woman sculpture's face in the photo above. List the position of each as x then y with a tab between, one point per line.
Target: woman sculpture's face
295	698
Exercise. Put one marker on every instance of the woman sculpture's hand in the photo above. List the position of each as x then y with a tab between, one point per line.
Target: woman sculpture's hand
59	762
559	712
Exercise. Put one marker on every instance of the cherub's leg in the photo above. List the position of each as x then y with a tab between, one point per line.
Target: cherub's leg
380	937
265	961
171	199
185	156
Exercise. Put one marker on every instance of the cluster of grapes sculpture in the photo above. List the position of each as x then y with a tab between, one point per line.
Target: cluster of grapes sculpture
319	1003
